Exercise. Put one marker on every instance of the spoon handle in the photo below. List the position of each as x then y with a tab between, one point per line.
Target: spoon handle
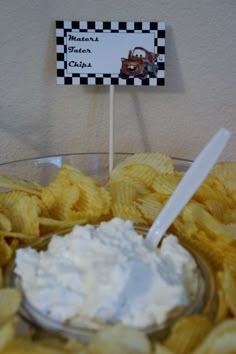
195	175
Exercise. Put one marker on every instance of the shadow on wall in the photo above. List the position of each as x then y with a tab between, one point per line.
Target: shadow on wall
32	131
49	72
174	84
174	77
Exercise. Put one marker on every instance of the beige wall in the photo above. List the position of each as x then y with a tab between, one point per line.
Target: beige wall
39	118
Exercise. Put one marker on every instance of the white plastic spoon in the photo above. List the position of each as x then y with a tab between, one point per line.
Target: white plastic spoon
187	186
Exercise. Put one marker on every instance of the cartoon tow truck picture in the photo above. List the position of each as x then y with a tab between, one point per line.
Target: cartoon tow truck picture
140	63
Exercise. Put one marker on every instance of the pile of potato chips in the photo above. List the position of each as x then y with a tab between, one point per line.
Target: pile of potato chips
29	211
141	185
137	189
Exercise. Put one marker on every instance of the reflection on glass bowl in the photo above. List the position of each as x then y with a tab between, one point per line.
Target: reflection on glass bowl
43	169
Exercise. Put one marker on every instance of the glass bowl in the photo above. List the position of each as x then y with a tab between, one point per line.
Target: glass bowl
43	170
203	300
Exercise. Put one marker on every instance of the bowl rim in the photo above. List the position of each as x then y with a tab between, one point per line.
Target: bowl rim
45	157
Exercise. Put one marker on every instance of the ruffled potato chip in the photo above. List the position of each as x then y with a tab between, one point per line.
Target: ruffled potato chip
24	344
16	242
222	308
221	339
211	188
123	194
229	251
64	199
229	216
16	183
205	221
10	300
6	252
129	212
22	211
199	241
49	197
149	206
143	173
136	184
73	346
5	223
8	199
48	225
40	207
119	340
218	208
166	183
24	216
229	286
14	236
225	171
59	196
1	278
74	196
123	191
7	331
187	333
201	230
93	199
161	349
157	161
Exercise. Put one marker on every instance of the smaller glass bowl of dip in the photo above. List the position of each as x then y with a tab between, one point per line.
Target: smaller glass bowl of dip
202	300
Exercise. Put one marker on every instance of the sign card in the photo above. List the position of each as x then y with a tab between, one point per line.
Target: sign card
110	53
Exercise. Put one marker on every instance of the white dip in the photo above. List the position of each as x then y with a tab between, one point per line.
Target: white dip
106	274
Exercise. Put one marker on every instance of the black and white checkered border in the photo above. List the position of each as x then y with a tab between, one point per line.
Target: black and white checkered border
63	27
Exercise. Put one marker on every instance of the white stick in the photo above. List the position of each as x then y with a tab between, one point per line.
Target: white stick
111	128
